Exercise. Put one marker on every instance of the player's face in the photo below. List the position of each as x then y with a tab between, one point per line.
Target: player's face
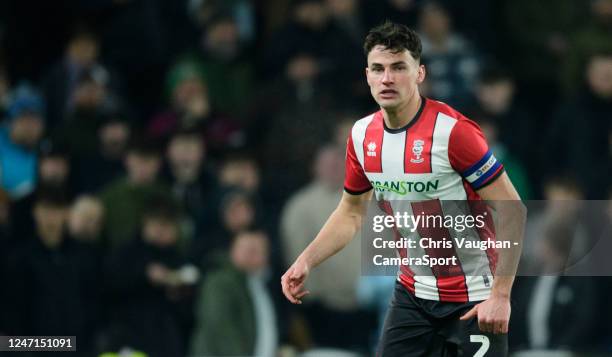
393	77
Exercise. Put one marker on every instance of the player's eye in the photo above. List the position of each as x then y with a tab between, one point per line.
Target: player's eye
377	69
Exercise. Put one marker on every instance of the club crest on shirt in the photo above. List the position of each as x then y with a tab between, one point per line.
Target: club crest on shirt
417	151
372	149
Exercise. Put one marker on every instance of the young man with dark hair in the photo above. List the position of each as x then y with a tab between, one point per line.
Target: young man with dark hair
53	280
191	181
151	283
418	140
125	198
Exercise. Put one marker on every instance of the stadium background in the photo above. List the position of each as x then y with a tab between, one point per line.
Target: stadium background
122	119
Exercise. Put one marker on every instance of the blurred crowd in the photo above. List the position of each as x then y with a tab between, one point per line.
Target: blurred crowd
163	162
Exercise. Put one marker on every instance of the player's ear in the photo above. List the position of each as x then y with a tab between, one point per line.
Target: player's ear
421	74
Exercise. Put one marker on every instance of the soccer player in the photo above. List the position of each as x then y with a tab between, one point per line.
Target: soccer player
437	154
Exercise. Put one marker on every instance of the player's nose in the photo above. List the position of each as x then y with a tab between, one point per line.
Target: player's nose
387	77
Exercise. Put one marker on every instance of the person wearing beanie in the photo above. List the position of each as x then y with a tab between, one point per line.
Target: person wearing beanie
19	138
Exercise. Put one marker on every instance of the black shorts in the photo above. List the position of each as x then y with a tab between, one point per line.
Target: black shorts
418	327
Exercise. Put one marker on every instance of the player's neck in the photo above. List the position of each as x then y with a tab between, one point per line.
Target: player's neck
402	115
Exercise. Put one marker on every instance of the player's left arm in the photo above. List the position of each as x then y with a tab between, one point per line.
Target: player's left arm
471	156
494	313
505	200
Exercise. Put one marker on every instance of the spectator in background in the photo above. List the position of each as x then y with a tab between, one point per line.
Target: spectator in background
297	107
19	138
150	285
237	213
179	25
344	128
191	108
452	62
6	236
203	12
125	198
133	41
54	280
107	163
515	169
495	98
54	166
191	181
304	31
240	171
89	101
84	225
347	19
53	173
332	312
4	91
81	57
347	16
605	283
561	187
374	293
544	303
593	37
579	148
189	101
398	11
309	29
8	243
318	29
86	219
478	20
538	32
226	66
236	314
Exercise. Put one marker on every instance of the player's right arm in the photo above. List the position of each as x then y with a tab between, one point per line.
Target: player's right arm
338	231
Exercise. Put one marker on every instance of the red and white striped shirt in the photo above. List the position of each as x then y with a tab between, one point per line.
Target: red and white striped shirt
429	167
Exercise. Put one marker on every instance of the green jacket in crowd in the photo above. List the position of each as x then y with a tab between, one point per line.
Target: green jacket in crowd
225	317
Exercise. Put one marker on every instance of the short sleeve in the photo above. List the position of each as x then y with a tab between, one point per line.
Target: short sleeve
470	156
355	179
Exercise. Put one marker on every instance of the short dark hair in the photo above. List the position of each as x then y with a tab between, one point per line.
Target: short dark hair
113	116
253	230
53	150
161	207
493	73
145	147
188	133
394	37
52	197
238	155
565	180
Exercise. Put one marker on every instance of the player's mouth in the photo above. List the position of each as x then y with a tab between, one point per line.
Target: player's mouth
387	93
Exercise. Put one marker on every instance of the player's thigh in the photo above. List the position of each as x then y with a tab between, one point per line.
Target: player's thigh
400	338
407	332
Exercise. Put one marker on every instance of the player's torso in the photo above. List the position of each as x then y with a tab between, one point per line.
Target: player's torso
410	163
410	171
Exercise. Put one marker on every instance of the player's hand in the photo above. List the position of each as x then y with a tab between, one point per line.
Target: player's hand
493	315
293	282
